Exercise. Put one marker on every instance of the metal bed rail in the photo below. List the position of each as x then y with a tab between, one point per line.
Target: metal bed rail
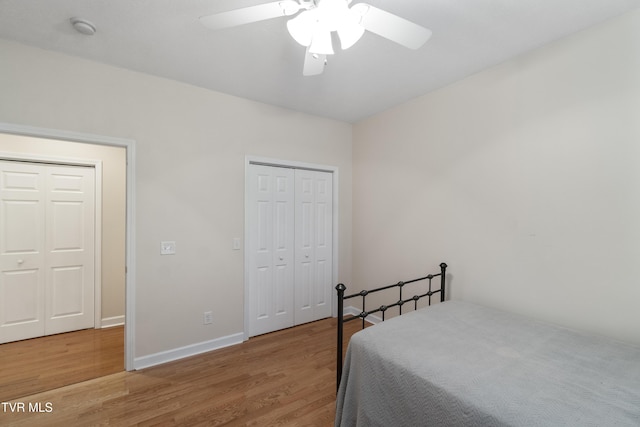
341	288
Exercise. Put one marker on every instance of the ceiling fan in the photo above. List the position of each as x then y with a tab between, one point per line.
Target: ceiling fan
313	27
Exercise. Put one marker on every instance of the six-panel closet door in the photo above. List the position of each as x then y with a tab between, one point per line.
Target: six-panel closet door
271	252
314	237
290	228
47	217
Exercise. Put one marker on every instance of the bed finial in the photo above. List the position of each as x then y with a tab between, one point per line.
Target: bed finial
340	287
443	272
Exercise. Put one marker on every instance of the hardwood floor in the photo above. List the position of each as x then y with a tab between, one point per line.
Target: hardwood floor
283	378
39	364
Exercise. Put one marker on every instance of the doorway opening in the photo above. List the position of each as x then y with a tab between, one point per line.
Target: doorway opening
110	318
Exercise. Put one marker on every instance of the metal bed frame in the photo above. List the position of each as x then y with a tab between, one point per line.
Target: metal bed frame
341	288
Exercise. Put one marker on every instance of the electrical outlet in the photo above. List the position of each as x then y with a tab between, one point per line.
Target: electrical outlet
208	317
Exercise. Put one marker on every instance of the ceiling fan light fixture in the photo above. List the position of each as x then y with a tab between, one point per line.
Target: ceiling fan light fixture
349	34
302	27
332	13
321	43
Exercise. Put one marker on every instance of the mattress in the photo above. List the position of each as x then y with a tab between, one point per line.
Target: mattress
460	364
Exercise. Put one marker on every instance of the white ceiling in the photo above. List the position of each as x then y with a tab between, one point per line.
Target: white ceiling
262	62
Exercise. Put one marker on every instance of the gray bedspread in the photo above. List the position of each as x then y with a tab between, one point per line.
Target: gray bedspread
460	364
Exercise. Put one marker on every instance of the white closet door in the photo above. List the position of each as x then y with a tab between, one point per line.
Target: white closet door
22	235
69	256
46	249
314	243
271	248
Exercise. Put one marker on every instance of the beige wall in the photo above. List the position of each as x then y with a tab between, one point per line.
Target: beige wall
190	155
524	178
113	207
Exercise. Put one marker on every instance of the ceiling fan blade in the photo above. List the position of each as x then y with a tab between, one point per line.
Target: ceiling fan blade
391	26
313	63
247	15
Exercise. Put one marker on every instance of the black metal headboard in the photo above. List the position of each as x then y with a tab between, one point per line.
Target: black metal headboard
341	288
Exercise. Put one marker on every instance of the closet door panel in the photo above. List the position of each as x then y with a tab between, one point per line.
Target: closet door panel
70	243
314	243
22	242
270	255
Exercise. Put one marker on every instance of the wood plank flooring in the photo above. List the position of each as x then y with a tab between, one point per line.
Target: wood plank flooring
283	378
39	364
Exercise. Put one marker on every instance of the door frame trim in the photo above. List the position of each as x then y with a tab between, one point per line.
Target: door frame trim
266	161
130	266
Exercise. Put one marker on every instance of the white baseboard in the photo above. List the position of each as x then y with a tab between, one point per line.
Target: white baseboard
354	311
110	322
190	350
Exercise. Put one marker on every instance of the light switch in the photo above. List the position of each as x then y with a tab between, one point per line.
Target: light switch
167	248
236	243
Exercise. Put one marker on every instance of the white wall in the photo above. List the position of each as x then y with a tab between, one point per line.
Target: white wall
190	146
523	178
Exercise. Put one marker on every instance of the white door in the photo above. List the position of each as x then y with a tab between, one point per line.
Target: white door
69	257
46	249
271	251
314	237
22	274
290	235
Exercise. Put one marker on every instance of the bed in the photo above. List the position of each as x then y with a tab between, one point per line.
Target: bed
460	364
